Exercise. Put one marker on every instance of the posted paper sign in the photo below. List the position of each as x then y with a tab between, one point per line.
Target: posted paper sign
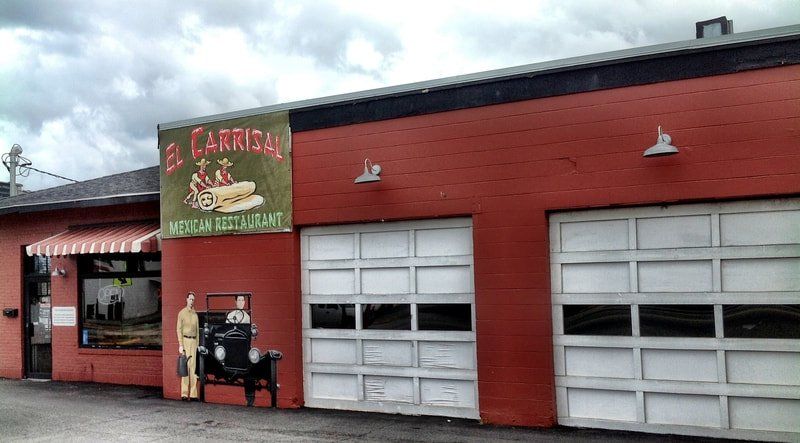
64	316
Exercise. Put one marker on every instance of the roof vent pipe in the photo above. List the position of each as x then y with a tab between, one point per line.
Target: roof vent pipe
714	27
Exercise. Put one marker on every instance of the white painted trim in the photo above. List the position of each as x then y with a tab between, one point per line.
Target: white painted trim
388	298
394	371
393	408
662	255
460	222
689	343
368	334
450	260
680	387
785	204
682	298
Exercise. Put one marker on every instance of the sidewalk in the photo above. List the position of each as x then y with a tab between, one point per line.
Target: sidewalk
60	411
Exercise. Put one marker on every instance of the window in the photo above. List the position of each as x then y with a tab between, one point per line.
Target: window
597	320
676	320
386	316
761	321
444	317
333	316
120	299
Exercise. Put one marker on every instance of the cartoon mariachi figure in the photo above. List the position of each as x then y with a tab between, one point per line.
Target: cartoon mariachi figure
224	178
200	182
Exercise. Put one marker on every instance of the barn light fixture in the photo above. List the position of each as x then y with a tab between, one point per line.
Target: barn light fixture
662	146
59	272
371	173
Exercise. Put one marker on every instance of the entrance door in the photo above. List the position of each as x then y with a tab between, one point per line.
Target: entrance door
38	327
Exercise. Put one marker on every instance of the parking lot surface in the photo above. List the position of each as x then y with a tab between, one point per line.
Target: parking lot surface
61	411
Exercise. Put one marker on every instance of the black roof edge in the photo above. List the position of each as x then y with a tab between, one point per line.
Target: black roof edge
314	113
84	203
663	67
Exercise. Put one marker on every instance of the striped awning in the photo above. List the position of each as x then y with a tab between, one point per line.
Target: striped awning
101	239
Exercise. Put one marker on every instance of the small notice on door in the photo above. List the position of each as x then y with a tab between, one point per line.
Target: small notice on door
63	315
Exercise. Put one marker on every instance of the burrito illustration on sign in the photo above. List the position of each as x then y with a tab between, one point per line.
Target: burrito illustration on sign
237	197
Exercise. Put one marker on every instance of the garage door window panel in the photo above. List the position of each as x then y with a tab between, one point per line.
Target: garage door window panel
597	320
761	321
386	316
333	316
444	317
676	320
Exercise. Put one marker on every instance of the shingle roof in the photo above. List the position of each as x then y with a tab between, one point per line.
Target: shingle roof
125	187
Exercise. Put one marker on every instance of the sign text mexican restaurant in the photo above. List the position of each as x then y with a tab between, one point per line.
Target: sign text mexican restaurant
249	189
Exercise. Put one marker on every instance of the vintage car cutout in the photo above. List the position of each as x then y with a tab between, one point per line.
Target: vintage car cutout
226	355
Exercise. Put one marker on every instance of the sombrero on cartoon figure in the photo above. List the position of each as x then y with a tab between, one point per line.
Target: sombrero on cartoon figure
225	162
203	162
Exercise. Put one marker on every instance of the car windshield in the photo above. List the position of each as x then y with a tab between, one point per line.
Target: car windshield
227	302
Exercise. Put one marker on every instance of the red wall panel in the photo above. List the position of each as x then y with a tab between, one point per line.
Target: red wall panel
140	367
268	265
509	165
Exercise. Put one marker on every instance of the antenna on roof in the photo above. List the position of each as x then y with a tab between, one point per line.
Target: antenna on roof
13	160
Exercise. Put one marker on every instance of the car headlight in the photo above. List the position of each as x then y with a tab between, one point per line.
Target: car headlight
254	355
219	353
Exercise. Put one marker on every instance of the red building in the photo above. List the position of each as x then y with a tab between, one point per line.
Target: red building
520	261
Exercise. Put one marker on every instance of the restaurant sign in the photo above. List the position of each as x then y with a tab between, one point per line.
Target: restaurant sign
227	177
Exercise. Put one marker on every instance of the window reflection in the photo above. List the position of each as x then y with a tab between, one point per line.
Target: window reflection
120	303
386	316
333	316
597	320
444	317
676	320
103	264
761	321
121	316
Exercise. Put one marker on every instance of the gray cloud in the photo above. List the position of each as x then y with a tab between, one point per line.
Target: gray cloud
86	82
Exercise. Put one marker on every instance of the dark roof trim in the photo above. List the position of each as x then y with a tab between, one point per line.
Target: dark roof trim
707	56
548	84
82	203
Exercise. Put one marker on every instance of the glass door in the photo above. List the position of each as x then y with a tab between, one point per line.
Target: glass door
38	325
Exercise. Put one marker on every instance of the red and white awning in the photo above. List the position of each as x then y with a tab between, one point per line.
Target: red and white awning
106	239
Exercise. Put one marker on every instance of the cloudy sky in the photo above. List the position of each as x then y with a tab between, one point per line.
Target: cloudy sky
83	84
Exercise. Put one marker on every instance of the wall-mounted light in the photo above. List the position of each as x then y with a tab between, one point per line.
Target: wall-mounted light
662	146
59	272
371	173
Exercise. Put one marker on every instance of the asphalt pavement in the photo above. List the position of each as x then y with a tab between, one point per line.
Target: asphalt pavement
63	411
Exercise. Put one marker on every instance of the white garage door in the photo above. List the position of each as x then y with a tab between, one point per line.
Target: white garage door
389	318
682	319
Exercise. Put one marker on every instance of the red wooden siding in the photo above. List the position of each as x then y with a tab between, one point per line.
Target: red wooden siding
268	265
508	165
